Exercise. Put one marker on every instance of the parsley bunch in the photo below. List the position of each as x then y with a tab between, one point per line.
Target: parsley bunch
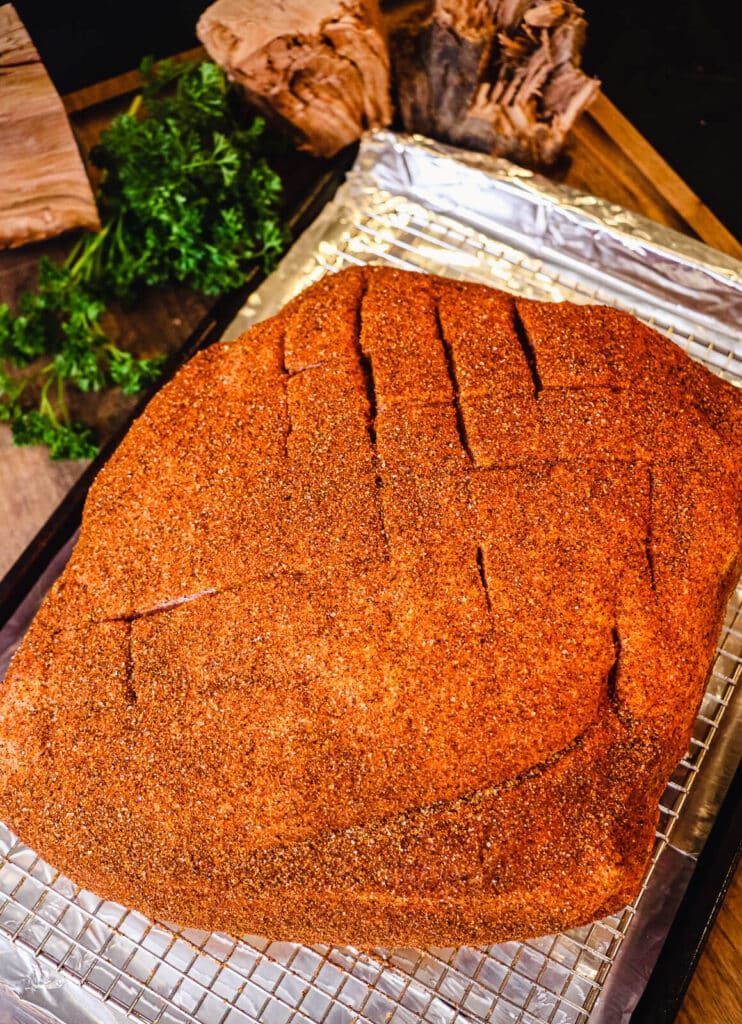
186	195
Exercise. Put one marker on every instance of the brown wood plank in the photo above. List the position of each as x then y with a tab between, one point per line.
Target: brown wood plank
15	43
714	995
610	158
120	85
44	188
31	487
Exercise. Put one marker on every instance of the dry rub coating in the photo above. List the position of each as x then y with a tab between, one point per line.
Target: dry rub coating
387	624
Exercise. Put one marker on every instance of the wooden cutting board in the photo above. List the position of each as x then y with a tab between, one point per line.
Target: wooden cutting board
607	158
611	159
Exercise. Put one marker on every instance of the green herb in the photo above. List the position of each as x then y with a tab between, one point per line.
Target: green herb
186	196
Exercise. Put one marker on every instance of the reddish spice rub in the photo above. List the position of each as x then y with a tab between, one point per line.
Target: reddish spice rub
387	624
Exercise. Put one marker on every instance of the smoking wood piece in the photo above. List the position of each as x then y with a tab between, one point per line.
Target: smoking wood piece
503	77
321	69
44	189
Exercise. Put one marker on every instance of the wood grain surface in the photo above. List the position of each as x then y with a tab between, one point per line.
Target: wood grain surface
607	158
714	995
44	188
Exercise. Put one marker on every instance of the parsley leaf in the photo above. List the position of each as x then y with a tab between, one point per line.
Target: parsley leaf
186	196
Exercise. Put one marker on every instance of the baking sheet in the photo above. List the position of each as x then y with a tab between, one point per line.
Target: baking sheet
414	204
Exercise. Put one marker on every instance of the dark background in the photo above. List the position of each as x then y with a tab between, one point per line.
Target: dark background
673	69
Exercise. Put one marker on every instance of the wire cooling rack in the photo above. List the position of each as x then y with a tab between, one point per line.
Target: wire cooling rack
155	973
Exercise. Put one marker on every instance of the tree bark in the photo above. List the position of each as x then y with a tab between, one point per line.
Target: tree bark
501	76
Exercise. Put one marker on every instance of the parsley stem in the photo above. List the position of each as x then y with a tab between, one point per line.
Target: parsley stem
45	406
88	248
61	404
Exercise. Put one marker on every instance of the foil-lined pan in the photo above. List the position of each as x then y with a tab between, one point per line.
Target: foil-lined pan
412	203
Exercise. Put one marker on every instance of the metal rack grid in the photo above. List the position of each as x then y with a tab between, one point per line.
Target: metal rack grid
155	973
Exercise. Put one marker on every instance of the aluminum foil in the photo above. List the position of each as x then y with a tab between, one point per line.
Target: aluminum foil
412	203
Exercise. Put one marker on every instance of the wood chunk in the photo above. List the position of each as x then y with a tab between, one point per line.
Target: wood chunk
501	77
320	69
44	188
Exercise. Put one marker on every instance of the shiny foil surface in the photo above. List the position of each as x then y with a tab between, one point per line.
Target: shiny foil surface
415	204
